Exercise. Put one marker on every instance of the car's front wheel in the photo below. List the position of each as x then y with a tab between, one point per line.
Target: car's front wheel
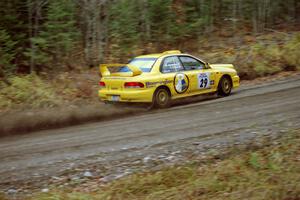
225	86
161	98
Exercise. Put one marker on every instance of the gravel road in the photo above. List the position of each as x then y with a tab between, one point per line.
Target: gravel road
99	147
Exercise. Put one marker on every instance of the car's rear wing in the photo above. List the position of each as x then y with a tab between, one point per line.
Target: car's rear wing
134	71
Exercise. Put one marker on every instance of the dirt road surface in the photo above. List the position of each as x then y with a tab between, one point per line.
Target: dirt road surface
116	144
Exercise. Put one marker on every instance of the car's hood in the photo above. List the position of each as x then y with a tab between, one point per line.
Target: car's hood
222	66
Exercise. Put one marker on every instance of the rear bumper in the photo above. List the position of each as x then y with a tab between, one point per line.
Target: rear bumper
128	95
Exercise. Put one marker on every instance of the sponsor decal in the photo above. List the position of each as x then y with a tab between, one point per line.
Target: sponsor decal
181	83
204	81
152	84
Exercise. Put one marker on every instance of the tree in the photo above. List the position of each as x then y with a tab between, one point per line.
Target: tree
124	28
94	28
34	11
60	33
53	41
7	55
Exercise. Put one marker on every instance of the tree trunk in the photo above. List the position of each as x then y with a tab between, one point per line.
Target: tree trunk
211	16
93	31
254	16
297	13
31	62
106	31
145	23
234	14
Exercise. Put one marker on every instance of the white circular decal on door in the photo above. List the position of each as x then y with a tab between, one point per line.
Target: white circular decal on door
181	83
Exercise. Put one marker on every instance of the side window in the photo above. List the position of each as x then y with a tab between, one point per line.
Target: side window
191	63
171	64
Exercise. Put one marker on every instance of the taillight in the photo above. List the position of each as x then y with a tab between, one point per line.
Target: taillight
101	84
133	85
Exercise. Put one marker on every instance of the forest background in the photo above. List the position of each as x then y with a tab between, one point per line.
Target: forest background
50	49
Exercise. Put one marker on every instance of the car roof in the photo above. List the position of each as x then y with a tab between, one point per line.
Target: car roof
157	55
168	53
150	55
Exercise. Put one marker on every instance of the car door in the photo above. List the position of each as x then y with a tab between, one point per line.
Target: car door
202	78
172	69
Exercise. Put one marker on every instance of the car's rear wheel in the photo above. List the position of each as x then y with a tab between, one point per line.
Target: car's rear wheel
161	98
225	86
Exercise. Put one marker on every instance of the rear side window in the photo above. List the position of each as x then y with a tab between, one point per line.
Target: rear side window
171	64
145	64
191	63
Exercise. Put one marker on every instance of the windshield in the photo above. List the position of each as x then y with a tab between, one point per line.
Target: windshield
145	64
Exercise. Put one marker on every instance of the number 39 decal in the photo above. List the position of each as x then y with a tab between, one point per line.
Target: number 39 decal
203	80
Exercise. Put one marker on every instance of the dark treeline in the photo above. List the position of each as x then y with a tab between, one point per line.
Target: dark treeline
40	35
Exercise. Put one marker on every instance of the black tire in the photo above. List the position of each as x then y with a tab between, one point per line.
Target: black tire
225	86
161	98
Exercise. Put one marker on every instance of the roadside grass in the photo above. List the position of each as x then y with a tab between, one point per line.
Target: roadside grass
272	172
48	91
29	90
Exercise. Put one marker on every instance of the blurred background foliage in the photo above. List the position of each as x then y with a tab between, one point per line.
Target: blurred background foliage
49	38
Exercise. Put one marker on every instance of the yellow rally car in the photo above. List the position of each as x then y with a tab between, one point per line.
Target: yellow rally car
159	78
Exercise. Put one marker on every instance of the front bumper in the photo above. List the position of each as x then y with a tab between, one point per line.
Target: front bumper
236	81
128	95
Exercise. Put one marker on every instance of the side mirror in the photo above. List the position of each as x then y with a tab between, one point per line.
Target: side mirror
207	65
